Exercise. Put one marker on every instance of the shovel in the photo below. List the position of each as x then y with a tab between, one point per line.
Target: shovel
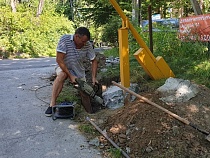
165	110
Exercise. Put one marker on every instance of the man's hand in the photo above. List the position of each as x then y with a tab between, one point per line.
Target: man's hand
94	81
72	79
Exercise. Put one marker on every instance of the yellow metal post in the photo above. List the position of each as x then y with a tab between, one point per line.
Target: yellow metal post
164	68
129	25
124	57
147	64
156	68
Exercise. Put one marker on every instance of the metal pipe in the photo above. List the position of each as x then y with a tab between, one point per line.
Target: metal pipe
105	135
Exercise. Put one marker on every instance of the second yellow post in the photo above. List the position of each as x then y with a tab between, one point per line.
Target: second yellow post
124	57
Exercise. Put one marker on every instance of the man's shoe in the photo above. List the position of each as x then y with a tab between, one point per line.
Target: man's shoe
48	112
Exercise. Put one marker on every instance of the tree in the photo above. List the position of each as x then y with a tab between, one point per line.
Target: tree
136	10
40	8
13	5
196	7
100	12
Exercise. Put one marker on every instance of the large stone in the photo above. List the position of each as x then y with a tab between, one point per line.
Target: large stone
177	90
113	97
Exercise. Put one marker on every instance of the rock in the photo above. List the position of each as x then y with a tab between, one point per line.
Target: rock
112	61
94	142
177	90
101	60
175	130
122	140
122	136
149	149
128	150
113	97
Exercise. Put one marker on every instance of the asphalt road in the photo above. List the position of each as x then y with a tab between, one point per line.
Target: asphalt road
17	64
25	132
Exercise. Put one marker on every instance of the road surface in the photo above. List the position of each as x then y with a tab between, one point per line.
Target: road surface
25	131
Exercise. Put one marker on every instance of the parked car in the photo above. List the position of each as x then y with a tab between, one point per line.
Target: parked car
162	24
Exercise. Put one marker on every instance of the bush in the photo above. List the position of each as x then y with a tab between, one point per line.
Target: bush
110	31
25	35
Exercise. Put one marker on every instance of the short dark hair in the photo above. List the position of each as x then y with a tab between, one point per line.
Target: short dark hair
83	31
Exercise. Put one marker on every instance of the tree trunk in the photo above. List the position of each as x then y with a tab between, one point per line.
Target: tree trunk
201	4
140	17
40	8
71	3
135	10
196	7
13	5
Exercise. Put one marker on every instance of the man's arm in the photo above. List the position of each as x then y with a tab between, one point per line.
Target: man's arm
94	70
60	61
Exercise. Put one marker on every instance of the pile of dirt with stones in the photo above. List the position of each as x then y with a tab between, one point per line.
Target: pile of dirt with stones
143	130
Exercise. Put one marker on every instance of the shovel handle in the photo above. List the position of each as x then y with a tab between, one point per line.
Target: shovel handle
152	103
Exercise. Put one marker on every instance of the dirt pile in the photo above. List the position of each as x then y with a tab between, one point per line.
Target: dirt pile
143	130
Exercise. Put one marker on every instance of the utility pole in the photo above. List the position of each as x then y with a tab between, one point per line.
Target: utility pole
196	7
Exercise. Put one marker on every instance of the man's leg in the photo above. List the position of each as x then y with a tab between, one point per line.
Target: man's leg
56	89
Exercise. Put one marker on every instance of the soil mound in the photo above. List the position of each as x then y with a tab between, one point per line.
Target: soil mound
142	130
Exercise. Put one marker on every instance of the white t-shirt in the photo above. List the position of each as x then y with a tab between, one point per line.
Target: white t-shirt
74	57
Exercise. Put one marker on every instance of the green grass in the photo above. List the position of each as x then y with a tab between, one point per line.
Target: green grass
87	128
115	153
68	93
188	60
112	52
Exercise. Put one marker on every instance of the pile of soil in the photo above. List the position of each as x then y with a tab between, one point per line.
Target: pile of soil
143	130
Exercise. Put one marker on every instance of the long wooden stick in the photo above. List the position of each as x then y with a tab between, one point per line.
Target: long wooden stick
105	135
152	103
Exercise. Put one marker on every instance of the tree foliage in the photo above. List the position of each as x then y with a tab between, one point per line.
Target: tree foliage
100	11
110	32
22	32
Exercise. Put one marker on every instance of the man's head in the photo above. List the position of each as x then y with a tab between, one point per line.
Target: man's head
82	35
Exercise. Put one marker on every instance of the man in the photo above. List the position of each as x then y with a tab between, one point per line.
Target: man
71	51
